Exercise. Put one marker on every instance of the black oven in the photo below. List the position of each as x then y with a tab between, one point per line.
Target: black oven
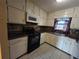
15	31
33	41
33	38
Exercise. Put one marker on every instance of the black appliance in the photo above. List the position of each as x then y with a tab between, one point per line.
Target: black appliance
15	31
33	38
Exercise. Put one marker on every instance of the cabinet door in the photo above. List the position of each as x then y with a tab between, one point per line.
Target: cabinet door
18	47
43	38
41	20
75	23
36	11
17	50
59	43
30	8
42	16
52	39
20	4
16	16
66	44
74	50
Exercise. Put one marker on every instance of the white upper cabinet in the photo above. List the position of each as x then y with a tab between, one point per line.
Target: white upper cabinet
40	21
18	8
36	11
32	9
69	12
75	23
20	4
29	7
76	12
16	16
42	17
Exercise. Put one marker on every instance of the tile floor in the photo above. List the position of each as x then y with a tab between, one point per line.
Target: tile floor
46	51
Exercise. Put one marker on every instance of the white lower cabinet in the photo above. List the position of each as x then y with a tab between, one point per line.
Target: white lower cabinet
60	42
64	43
42	38
52	39
18	47
74	49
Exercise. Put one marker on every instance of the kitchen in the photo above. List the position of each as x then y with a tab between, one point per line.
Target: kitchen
28	19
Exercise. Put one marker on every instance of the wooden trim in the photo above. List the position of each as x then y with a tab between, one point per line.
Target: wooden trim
3	31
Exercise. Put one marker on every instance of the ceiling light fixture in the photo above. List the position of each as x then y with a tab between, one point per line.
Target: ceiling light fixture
59	1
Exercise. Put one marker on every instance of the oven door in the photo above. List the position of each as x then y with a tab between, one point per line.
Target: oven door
33	42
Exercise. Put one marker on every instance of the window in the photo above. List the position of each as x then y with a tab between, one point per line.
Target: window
62	24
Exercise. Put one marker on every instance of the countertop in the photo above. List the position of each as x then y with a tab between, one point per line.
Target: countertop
63	42
59	34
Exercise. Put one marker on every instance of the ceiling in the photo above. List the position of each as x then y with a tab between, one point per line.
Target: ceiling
52	5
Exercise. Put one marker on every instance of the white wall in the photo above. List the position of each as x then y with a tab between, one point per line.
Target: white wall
36	11
71	12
